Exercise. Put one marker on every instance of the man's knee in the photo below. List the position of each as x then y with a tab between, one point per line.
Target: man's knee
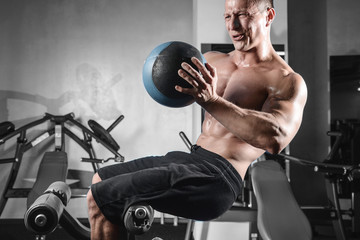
96	178
89	197
90	200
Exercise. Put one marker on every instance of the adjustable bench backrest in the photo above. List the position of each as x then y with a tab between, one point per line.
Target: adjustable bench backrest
279	215
53	167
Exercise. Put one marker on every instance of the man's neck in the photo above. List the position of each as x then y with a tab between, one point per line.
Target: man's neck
253	56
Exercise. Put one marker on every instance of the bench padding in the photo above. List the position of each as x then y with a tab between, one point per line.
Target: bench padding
53	167
279	215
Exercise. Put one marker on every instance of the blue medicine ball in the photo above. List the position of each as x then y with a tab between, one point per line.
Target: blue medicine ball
160	73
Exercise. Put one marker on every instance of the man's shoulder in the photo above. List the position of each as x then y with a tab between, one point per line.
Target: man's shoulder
285	71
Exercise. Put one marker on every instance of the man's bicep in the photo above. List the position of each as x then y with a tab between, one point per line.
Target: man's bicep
289	116
287	101
288	112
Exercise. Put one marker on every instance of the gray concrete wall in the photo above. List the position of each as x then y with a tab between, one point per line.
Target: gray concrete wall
308	56
86	57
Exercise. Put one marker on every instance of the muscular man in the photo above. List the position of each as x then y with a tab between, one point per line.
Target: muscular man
254	100
254	103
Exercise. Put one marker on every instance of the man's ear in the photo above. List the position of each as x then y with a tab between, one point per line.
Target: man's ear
270	16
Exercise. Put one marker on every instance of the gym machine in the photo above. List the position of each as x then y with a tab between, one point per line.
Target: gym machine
54	164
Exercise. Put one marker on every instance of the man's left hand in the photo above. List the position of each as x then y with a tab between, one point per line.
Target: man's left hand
204	81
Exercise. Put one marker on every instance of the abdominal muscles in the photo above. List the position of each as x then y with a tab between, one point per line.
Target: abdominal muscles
216	138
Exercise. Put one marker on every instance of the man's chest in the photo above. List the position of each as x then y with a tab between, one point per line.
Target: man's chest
247	89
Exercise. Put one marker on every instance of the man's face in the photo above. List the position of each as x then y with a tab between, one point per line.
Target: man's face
245	23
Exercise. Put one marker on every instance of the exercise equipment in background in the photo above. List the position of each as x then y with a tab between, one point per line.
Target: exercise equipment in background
42	217
47	199
48	210
336	174
160	73
54	168
266	186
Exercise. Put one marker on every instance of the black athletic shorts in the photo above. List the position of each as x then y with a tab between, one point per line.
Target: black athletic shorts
200	185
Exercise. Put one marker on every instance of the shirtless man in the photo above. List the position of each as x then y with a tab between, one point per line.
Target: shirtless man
253	99
254	103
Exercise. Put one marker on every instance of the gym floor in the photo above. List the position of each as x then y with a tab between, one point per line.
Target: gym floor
14	229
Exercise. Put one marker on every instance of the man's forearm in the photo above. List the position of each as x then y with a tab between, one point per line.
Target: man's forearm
259	129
